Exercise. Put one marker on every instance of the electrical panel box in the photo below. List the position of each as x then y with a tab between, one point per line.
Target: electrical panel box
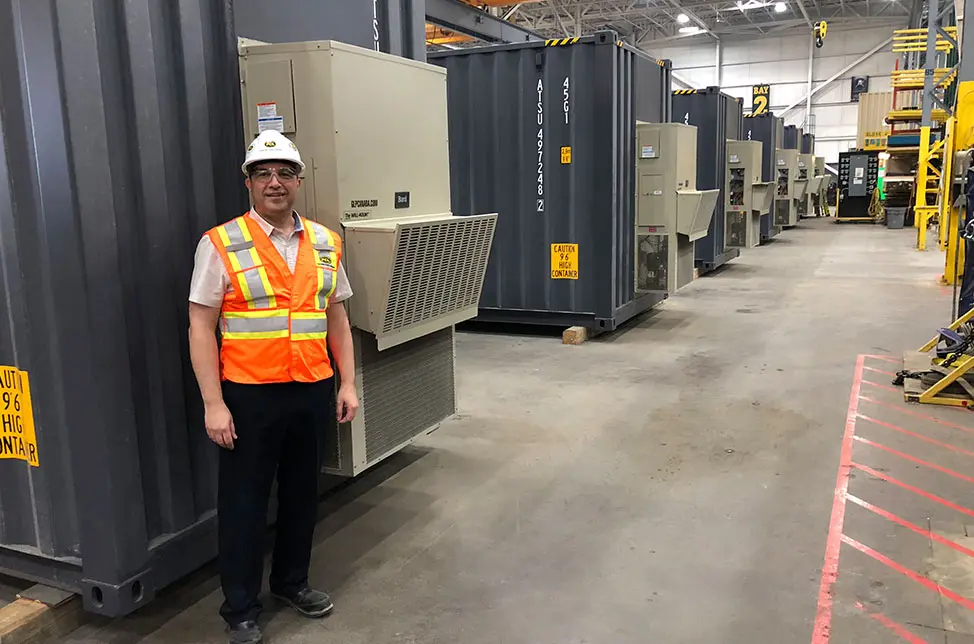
747	196
372	131
788	188
858	179
670	212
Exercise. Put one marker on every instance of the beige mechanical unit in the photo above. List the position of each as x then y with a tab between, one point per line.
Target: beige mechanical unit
747	197
671	214
824	181
788	188
806	171
372	129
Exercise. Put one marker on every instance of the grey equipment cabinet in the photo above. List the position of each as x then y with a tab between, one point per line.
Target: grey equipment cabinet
788	188
747	197
671	214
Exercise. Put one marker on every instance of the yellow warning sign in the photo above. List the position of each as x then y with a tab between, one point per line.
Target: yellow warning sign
17	438
564	261
566	155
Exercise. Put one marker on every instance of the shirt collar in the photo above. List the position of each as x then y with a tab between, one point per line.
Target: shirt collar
268	228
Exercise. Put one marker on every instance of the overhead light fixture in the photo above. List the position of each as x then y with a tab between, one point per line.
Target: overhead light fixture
780	7
690	30
683	18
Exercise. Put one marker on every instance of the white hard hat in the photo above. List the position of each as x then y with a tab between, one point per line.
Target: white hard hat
271	145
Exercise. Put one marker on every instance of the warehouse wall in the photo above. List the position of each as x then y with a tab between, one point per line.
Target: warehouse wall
782	61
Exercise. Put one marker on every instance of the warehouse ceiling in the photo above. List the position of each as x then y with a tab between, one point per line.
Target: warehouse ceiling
644	21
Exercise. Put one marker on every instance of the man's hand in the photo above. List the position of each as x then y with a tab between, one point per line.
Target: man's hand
219	425
347	403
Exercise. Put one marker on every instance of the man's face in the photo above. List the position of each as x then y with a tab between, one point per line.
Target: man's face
274	186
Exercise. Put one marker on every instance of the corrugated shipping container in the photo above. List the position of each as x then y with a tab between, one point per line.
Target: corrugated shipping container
768	129
793	138
808	144
717	117
873	109
120	145
544	135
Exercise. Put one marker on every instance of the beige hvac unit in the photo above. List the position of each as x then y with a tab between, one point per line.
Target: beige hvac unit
372	129
806	172
671	214
820	195
747	197
788	188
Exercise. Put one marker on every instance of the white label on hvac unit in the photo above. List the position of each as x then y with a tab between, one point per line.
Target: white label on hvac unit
857	181
272	123
860	172
648	152
781	162
735	159
657	193
266	110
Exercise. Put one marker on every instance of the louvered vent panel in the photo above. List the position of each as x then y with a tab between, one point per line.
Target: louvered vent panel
406	390
438	269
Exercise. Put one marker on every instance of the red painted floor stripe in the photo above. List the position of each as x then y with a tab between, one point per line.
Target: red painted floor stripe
896	627
833	545
914	459
912	526
898	361
875	370
903	570
906	486
904	410
879	386
916	435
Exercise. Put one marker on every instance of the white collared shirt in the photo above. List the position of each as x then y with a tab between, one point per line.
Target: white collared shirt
211	282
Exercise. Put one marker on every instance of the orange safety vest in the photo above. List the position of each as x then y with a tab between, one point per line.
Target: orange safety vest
274	324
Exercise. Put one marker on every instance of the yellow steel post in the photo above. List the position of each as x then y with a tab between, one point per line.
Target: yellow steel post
920	208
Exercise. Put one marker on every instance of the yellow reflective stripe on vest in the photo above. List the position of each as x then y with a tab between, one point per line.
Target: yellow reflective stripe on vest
254	325
254	284
309	326
323	242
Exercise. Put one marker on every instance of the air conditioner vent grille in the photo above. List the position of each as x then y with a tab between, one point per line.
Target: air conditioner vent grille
438	269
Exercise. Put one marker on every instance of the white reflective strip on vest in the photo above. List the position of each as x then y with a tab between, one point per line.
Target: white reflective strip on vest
256	325
308	326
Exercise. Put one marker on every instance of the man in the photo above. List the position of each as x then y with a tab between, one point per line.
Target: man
274	284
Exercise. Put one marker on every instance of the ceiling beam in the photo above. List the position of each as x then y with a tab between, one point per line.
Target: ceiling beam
801	5
465	19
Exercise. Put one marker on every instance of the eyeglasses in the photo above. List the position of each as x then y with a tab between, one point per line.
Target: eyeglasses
284	175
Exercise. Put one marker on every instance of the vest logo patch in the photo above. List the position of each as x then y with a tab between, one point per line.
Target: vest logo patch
326	258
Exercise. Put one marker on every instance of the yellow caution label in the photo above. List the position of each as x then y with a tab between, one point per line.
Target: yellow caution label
564	261
17	437
566	155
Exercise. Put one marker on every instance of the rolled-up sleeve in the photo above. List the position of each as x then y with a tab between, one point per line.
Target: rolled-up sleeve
343	290
210	280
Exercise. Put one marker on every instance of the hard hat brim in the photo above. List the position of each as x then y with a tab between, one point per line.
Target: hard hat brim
245	167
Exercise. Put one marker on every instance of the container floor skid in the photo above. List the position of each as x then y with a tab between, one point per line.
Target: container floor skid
640	304
719	260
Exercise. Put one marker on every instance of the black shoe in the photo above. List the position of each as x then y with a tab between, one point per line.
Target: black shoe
308	602
245	633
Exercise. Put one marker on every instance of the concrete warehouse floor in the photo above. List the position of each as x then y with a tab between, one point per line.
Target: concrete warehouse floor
669	483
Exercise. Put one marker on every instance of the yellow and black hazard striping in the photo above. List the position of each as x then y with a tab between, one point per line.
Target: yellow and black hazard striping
684	91
661	63
558	42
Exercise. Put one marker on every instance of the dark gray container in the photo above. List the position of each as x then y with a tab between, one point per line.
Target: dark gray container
895	217
808	144
793	138
392	26
717	117
768	129
546	198
120	145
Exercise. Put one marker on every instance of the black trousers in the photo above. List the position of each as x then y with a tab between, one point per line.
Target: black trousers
278	432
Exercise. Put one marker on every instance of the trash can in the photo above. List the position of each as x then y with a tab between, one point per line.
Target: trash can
895	217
